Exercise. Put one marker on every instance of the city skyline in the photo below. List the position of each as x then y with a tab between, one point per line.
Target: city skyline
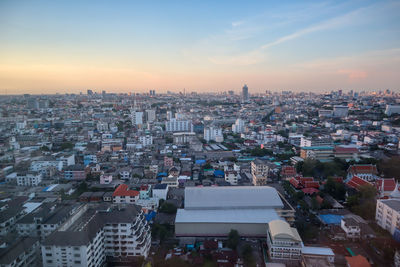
58	47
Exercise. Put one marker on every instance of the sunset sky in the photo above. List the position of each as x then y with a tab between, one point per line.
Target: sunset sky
124	46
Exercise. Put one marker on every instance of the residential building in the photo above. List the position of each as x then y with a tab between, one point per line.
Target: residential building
146	140
160	191
175	125
168	161
123	194
21	252
321	153
212	133
350	227
284	242
102	127
150	115
238	126
387	214
119	233
259	172
340	111
184	138
106	178
75	172
171	181
29	179
137	118
232	177
392	109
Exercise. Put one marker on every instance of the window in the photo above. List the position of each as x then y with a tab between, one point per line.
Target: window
49	254
77	262
49	261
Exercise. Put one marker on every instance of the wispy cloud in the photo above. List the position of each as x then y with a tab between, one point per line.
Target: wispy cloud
237	23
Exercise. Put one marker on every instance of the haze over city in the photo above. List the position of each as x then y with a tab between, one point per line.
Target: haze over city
204	46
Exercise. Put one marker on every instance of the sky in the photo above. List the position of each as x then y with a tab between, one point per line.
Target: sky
204	46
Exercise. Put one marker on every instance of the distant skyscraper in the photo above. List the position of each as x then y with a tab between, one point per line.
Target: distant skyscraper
89	92
245	93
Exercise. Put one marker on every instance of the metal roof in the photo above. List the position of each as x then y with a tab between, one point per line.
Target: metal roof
232	197
226	216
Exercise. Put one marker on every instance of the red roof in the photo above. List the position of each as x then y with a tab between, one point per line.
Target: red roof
387	184
356	182
306	179
338	179
295	183
123	190
354	169
310	184
288	171
310	191
357	261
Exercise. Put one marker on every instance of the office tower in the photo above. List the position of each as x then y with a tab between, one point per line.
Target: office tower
89	92
245	93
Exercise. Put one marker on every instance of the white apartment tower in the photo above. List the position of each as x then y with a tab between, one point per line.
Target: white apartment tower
175	125
214	134
97	233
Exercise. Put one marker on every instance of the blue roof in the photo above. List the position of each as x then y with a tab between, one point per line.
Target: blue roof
219	173
331	218
162	174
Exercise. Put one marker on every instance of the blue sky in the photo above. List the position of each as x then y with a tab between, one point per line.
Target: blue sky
63	46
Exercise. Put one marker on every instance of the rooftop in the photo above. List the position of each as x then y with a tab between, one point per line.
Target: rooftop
232	197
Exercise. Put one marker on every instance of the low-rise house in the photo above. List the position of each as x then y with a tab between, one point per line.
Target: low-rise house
125	174
232	177
350	227
108	197
123	194
170	181
106	178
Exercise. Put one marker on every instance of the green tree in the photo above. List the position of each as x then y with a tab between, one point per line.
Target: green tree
168	208
233	239
314	204
247	254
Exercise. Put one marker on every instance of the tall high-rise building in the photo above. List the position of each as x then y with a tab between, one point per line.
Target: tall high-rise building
89	92
245	93
150	115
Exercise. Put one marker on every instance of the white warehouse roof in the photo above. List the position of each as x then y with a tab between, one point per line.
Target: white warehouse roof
232	197
226	216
